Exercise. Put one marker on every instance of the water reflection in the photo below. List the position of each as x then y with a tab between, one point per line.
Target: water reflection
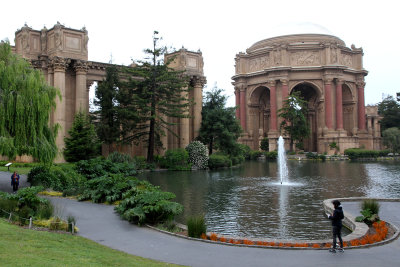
247	201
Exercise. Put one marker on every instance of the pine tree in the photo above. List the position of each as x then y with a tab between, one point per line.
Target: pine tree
294	113
83	142
25	105
219	127
154	93
106	116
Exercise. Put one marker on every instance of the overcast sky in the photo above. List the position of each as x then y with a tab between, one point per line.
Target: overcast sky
221	29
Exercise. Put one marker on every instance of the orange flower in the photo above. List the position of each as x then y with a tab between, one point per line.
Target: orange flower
328	245
316	245
203	236
248	242
213	237
272	244
222	239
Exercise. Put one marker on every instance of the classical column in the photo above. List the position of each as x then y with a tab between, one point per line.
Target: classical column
184	125
237	96
243	107
361	105
328	103
81	86
59	66
198	99
339	105
285	89
272	94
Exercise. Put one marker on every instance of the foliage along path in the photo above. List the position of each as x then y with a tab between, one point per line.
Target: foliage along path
99	223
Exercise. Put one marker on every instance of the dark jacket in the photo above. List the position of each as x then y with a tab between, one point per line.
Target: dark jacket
14	179
337	217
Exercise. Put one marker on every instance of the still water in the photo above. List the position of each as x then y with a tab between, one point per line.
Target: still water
249	201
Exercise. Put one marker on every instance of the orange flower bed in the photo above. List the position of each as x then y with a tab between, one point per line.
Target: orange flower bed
328	245
222	239
316	246
213	237
248	242
203	236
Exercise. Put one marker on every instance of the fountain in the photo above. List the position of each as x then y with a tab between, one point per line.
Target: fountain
283	171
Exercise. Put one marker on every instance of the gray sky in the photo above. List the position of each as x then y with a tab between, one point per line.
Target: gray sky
221	29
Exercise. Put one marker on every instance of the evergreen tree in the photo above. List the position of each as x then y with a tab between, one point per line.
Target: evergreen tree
389	108
154	92
294	113
106	116
219	127
25	105
83	142
391	139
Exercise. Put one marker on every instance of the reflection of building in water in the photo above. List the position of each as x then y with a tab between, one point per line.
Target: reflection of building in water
329	76
61	53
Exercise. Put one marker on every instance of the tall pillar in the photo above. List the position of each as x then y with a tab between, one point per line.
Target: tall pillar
361	105
59	66
81	103
272	90
243	107
328	103
285	89
237	96
184	125
339	105
198	99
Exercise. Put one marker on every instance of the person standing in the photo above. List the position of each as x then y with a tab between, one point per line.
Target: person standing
336	217
15	181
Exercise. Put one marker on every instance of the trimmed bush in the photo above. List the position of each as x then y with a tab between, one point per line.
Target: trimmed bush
198	154
196	226
355	153
255	154
98	167
264	144
176	159
219	161
271	155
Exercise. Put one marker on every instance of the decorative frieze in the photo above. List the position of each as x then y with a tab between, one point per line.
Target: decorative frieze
305	58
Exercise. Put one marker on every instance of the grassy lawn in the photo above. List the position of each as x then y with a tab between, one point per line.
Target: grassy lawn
24	168
23	247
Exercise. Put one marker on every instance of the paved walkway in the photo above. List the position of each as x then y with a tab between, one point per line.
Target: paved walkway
99	223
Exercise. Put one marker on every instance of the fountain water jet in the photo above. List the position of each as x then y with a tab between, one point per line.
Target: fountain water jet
283	171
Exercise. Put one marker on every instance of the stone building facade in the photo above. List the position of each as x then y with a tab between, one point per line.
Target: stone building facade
61	53
329	76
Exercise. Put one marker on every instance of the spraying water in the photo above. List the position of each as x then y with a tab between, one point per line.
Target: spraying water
283	171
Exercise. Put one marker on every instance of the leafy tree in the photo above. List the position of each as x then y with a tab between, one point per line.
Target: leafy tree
389	108
153	93
219	127
106	116
25	105
83	142
294	113
391	139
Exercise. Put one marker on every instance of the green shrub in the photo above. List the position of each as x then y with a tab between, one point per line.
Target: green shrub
311	155
244	150
108	188
291	153
271	155
34	175
176	159
141	163
148	205
237	160
255	154
356	153
44	211
370	204
198	154
219	161
71	222
196	226
98	167
264	144
117	157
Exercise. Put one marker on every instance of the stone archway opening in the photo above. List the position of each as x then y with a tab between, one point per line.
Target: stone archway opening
259	111
310	94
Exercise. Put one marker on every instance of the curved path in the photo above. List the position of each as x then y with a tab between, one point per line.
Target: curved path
99	223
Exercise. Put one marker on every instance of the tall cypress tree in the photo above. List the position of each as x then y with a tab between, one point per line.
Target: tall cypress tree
154	92
25	105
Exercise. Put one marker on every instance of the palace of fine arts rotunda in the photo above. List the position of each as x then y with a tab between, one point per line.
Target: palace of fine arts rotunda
329	76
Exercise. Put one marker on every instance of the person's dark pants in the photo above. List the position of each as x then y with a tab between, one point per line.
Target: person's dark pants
337	233
15	186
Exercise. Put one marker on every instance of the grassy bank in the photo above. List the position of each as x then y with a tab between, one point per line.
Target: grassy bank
23	247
